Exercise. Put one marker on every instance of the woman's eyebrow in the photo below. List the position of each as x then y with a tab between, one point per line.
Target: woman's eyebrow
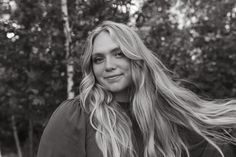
101	53
115	49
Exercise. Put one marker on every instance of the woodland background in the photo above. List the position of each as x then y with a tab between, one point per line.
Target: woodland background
41	42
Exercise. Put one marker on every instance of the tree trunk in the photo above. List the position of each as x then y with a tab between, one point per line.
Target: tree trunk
15	133
0	152
70	62
30	137
30	131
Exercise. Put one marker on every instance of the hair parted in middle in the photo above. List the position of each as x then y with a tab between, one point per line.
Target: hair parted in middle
160	106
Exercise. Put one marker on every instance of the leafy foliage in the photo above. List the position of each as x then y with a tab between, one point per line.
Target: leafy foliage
196	40
33	60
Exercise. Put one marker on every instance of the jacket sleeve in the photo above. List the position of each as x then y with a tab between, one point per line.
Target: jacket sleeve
198	147
228	149
65	133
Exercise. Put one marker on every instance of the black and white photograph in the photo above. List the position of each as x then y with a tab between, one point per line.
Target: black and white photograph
117	78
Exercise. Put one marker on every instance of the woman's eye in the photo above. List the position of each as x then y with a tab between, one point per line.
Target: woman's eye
97	60
119	54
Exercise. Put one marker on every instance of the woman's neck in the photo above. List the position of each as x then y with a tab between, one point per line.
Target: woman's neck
123	96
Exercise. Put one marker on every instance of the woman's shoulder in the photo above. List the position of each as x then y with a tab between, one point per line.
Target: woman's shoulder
65	129
69	113
70	107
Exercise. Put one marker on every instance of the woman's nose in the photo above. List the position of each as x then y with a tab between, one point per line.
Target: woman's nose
109	65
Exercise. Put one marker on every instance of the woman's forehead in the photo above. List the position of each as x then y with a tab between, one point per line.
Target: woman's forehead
104	43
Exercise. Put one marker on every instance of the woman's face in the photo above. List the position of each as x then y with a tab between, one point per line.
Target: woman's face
111	67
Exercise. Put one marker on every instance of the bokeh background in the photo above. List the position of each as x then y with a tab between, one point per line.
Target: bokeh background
41	42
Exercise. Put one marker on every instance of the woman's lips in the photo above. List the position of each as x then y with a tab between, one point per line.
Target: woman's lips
112	77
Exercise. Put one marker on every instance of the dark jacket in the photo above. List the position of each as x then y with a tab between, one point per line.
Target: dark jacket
69	134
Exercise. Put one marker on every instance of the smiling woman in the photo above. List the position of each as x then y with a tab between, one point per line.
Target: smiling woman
128	106
110	66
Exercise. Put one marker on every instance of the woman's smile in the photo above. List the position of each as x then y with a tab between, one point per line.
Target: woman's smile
111	67
113	77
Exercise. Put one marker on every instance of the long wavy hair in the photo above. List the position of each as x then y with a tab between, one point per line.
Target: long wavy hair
160	106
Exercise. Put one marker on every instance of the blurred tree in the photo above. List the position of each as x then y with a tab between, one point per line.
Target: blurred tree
196	40
33	77
70	62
